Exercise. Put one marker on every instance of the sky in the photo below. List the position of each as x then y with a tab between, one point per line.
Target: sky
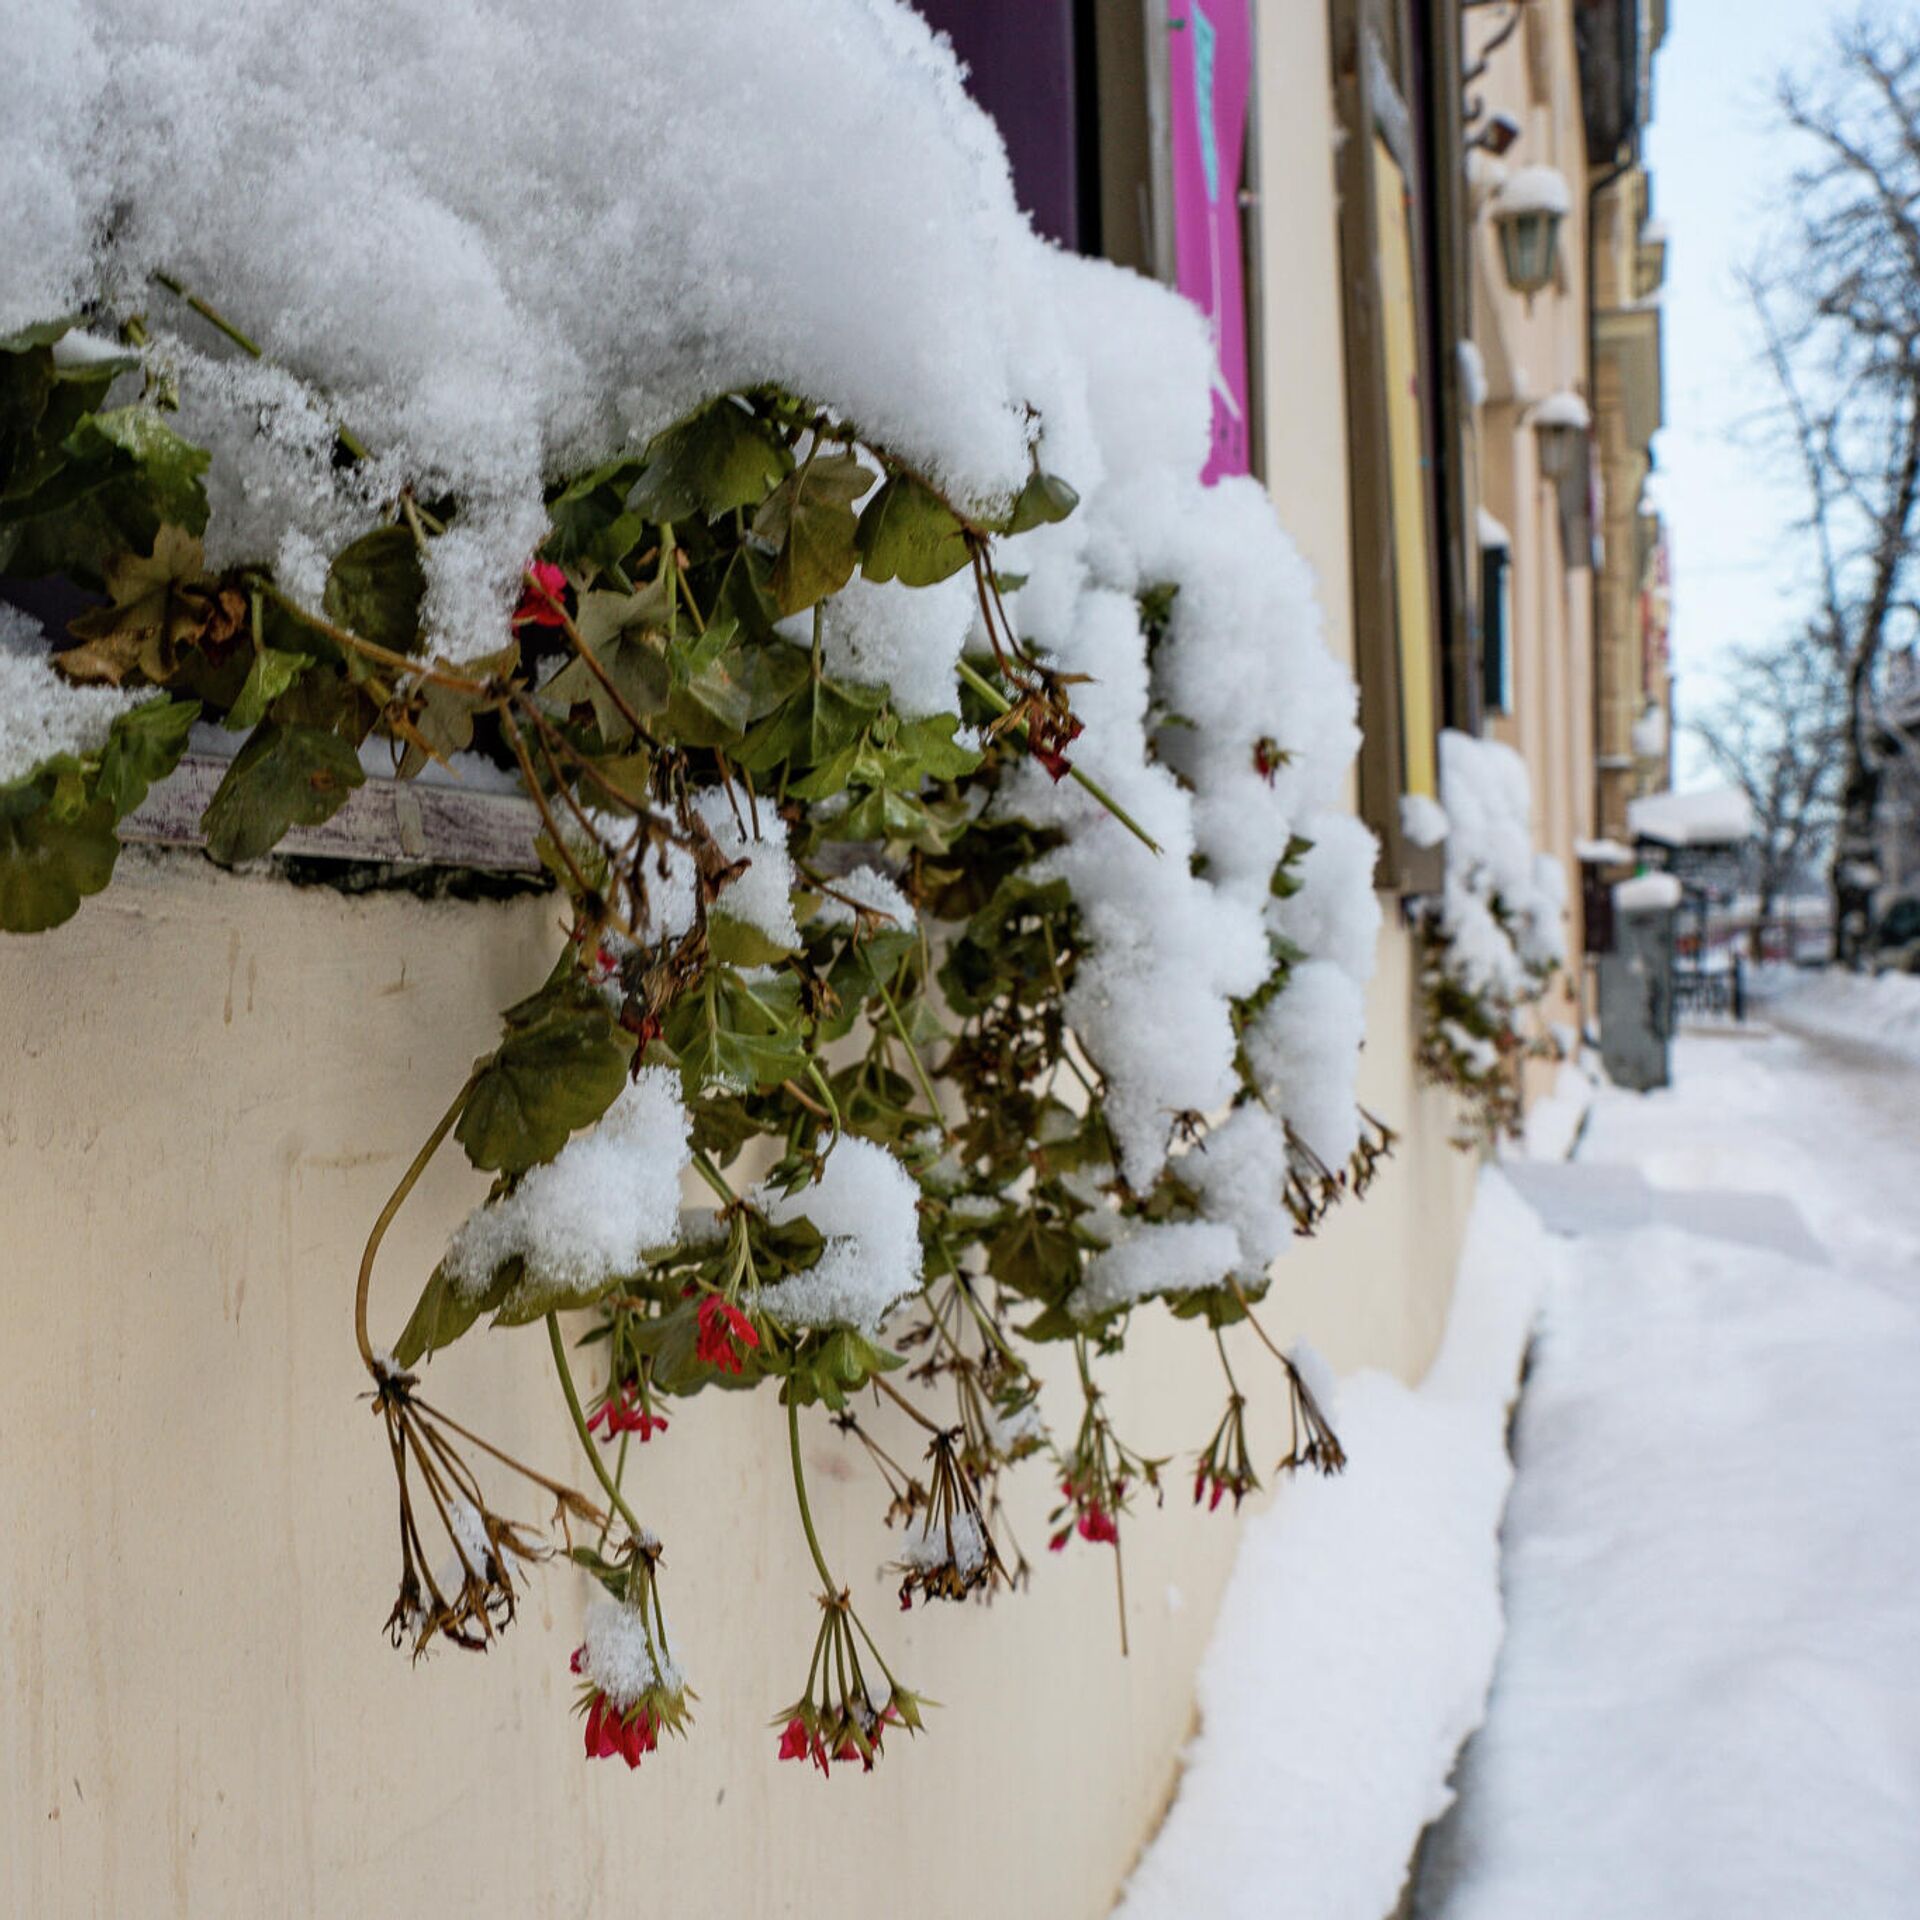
1719	168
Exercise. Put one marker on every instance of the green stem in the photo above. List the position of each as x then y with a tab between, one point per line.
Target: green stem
592	1452
800	1494
221	324
819	1079
999	702
712	1176
900	1028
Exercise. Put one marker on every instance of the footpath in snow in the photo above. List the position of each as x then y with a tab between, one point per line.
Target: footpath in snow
1708	1699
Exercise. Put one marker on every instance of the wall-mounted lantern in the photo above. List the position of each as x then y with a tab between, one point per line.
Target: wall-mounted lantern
1527	212
1560	423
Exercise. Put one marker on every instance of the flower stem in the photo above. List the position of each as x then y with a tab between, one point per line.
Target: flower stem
607	1482
900	1028
999	702
800	1494
395	1201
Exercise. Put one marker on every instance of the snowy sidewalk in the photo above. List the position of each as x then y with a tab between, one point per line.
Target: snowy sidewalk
1708	1700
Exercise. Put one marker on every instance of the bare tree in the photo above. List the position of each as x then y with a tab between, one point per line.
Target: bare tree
1840	318
1779	735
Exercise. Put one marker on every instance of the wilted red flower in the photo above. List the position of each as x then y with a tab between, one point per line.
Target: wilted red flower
1268	758
611	1732
542	600
725	1334
1048	740
625	1414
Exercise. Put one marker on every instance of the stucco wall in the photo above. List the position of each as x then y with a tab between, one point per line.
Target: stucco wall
209	1087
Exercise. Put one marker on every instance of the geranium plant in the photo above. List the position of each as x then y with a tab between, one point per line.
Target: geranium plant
962	951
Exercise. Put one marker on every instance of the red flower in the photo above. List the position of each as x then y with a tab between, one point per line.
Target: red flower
609	1732
793	1742
541	600
725	1333
1097	1524
1268	758
625	1414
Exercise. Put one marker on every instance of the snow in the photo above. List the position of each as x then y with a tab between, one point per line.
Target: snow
594	1211
761	894
1604	853
1239	1172
871	889
1423	820
1534	190
907	639
1562	409
484	255
1709	1698
40	715
1306	1045
865	1206
1712	816
1473	373
1490	532
1355	1644
617	1659
1648	893
1873	1010
1163	1256
1503	907
958	1542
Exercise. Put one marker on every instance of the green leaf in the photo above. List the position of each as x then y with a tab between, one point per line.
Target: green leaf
271	674
713	461
738	1033
445	1311
559	1068
169	468
283	777
1045	498
48	864
375	586
823	718
737	943
143	746
908	533
808	521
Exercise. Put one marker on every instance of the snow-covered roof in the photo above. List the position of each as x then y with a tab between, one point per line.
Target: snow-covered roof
1534	190
1491	532
1714	816
1562	409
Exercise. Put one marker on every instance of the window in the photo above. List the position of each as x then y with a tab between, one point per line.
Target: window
1401	180
1496	624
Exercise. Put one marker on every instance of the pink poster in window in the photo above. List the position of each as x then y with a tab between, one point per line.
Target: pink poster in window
1210	58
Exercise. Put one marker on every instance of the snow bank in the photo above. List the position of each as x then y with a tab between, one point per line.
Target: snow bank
1875	1010
1709	1698
1357	1638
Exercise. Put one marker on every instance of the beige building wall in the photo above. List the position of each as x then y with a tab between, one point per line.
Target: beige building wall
208	1086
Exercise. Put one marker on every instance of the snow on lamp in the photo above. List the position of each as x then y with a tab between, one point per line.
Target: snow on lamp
1560	422
1527	212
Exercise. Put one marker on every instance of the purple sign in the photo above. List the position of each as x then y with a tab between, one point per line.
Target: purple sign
1210	49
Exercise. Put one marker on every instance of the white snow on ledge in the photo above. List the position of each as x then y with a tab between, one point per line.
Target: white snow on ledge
1357	1639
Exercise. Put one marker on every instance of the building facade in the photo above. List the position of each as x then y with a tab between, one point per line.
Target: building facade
200	1712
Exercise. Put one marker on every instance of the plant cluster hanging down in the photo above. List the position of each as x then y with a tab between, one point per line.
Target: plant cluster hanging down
965	947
